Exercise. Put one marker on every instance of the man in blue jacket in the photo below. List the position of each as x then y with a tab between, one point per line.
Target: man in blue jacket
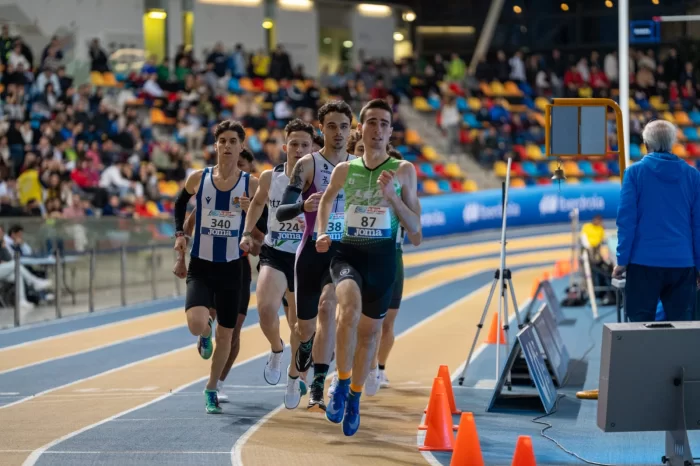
658	223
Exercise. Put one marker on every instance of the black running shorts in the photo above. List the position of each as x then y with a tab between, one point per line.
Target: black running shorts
279	260
216	285
312	274
398	283
374	273
246	279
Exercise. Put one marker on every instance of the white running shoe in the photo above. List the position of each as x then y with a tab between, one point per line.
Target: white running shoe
372	382
223	397
292	396
334	384
273	371
383	380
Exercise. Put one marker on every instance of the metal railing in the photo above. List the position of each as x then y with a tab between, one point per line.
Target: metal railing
85	282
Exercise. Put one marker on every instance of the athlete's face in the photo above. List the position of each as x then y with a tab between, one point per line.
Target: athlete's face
229	147
336	130
359	149
298	145
376	130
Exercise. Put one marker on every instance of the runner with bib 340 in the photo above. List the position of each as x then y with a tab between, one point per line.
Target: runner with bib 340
380	195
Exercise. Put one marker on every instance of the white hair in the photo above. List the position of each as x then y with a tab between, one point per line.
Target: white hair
659	136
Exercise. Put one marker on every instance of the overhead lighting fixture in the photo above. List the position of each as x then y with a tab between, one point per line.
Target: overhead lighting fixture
231	2
655	2
398	37
608	3
267	24
517	9
347	44
409	16
157	14
372	9
461	30
564	7
327	40
299	5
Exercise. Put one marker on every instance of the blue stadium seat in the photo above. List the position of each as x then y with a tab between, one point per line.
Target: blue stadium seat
234	86
543	169
470	119
419	186
586	180
614	168
635	151
427	168
434	102
530	181
691	133
529	168
444	186
586	168
254	143
462	104
695	117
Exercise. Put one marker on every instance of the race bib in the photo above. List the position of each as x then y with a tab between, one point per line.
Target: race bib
335	227
224	223
369	221
291	230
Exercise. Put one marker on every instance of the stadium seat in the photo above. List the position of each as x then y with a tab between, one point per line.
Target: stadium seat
517	183
427	168
693	149
439	170
412	137
96	79
470	186
500	168
453	171
529	168
517	170
456	185
543	169
635	151
419	187
431	187
586	168
470	120
434	103
421	104
573	181
657	104
571	168
679	150
462	105
534	152
691	133
474	104
614	179
695	117
512	90
430	153
444	186
600	168
682	118
614	168
246	84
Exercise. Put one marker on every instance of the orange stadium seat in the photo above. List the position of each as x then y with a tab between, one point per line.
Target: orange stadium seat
431	187
517	183
412	137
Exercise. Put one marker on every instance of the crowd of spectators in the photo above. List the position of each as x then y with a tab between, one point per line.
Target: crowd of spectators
72	151
661	77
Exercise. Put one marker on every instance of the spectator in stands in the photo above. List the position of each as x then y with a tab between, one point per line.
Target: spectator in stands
450	122
98	57
658	223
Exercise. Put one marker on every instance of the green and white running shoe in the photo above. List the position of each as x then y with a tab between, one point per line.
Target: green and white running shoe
211	398
205	346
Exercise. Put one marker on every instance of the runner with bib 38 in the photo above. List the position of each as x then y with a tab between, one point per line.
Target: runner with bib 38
380	195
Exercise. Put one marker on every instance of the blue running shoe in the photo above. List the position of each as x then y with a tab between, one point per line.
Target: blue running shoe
351	420
204	344
211	399
336	405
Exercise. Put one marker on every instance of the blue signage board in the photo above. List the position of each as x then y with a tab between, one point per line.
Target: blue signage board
552	343
645	32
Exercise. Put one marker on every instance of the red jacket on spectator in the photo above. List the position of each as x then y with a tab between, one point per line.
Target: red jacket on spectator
599	79
573	77
85	178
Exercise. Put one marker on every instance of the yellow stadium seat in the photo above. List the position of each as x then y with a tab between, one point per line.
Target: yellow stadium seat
679	150
668	116
485	88
430	153
474	104
571	168
197	165
512	89
453	171
431	187
168	188
534	152
656	102
421	104
682	118
541	103
540	119
109	79
500	168
259	99
270	85
614	179
573	181
263	134
159	118
412	137
470	186
585	92
517	183
553	165
633	105
231	100
96	79
680	136
497	88
152	208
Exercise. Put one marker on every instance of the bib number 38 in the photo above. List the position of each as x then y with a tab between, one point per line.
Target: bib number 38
335	227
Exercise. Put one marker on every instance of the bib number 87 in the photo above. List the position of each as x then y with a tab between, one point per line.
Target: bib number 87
368	222
223	224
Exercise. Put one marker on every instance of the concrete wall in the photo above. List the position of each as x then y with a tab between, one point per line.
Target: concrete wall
229	24
372	36
298	32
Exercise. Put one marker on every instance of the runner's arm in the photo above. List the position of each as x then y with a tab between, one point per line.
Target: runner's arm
298	183
257	204
407	207
189	223
190	189
325	206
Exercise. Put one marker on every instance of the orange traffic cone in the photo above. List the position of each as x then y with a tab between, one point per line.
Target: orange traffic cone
535	285
492	338
524	455
430	411
439	436
444	373
467	450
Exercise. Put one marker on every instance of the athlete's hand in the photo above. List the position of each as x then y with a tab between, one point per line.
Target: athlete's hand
619	271
386	184
311	204
255	247
323	243
180	245
180	269
245	203
247	243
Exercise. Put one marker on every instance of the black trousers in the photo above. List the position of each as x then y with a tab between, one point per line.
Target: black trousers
645	285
